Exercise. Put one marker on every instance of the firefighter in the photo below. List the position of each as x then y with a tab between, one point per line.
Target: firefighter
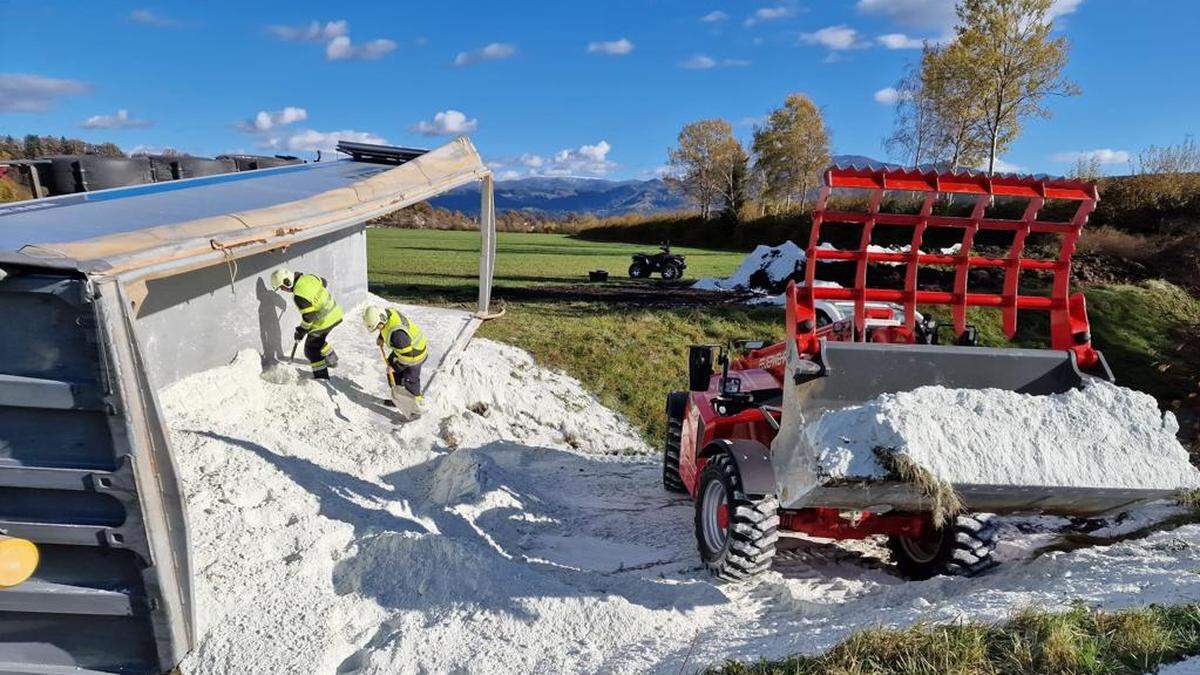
319	314
403	343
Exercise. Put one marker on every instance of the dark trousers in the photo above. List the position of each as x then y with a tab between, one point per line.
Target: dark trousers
319	352
408	377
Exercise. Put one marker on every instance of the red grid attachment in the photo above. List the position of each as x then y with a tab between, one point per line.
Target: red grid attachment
1068	316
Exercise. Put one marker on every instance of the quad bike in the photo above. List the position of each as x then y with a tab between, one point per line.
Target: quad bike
670	265
735	440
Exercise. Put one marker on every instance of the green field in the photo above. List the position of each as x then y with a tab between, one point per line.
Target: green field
444	264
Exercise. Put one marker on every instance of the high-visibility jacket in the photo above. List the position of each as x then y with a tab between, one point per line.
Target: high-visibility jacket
404	338
318	310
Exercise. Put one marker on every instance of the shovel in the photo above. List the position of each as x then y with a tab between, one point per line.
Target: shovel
405	404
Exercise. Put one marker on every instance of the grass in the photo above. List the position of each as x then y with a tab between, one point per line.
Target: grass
446	263
1076	641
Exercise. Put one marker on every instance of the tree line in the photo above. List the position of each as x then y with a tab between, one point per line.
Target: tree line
33	146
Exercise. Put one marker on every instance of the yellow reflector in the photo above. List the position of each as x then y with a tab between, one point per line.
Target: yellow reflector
18	560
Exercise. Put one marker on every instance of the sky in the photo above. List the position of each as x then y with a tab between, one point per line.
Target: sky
553	88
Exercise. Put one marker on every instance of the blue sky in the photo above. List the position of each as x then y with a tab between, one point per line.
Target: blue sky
576	88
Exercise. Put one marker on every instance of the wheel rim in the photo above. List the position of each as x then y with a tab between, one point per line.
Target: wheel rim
921	551
670	273
715	508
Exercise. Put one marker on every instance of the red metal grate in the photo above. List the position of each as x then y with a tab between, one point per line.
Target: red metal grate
1068	315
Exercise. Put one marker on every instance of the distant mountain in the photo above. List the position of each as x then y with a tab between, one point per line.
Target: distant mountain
598	196
570	195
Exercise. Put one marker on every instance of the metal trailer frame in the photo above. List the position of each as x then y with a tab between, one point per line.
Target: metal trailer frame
86	467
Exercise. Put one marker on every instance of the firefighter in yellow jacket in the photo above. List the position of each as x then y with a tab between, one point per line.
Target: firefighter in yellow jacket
404	345
319	314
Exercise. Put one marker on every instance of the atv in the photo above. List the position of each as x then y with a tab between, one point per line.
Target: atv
670	265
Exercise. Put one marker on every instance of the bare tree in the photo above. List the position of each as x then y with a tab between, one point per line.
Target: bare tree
1005	46
705	163
918	134
792	149
1181	158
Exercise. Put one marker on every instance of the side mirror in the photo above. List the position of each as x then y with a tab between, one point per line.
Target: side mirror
700	367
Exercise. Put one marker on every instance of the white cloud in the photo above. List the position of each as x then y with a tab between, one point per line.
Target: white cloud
586	160
837	38
310	140
149	18
614	48
266	120
336	36
1101	155
341	48
1004	167
715	16
899	41
699	62
121	120
33	93
492	52
315	31
937	15
753	121
704	62
447	123
764	14
887	96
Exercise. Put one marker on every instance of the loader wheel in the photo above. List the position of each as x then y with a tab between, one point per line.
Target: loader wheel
671	272
735	533
963	548
676	406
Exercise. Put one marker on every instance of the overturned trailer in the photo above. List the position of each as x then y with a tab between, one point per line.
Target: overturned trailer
109	296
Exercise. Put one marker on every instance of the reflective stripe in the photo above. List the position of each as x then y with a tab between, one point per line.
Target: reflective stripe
317	365
414	353
322	310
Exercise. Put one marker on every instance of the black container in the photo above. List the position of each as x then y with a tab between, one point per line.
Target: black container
253	162
87	173
598	275
175	167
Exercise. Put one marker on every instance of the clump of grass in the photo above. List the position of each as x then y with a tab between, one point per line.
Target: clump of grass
1189	498
945	503
1078	640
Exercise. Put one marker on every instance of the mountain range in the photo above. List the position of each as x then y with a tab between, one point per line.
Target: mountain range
563	195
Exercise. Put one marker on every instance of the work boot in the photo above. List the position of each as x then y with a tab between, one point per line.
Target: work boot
322	374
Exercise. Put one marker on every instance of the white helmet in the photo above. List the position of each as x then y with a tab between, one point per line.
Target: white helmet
373	317
282	278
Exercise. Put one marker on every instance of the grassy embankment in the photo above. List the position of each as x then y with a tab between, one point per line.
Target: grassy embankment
1075	641
631	355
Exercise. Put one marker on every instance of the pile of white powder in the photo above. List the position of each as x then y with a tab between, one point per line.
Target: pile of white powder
1101	435
521	526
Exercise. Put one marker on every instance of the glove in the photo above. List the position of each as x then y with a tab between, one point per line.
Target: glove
301	331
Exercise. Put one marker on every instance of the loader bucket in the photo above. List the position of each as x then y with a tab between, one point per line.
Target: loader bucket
854	373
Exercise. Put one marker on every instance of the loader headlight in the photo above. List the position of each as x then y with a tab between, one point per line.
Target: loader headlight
731	385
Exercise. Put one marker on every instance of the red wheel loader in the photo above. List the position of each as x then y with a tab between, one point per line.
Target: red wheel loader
735	440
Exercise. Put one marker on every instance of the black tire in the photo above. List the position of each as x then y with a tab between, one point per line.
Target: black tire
671	272
676	406
963	548
638	271
751	526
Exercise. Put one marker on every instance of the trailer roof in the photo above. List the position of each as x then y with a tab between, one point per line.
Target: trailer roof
139	226
86	215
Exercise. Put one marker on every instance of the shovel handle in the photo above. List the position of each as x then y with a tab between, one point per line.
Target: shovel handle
295	343
387	367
